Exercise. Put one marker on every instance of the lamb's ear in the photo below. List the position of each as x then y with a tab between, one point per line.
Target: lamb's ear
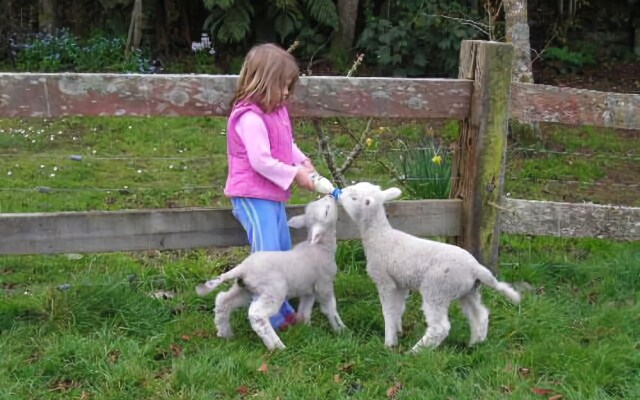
316	234
391	194
296	222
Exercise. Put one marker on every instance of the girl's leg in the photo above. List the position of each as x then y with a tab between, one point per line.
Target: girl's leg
265	222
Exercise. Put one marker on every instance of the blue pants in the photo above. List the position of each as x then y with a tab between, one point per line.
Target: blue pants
265	222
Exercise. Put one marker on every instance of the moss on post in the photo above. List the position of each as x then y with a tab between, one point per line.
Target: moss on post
477	174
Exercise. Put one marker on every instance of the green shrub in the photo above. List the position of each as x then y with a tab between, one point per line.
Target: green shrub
64	52
424	171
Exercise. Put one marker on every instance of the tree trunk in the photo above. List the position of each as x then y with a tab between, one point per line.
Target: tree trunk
348	13
518	34
135	28
47	16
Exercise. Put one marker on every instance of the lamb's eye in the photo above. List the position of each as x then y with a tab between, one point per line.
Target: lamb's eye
354	198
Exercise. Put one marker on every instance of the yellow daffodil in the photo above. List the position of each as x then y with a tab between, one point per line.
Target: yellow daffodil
436	160
369	141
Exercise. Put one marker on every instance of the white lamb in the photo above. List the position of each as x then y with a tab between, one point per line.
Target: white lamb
398	262
265	279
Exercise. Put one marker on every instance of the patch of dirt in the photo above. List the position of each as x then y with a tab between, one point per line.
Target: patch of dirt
620	77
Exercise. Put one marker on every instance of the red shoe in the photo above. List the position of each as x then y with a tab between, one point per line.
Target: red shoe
289	320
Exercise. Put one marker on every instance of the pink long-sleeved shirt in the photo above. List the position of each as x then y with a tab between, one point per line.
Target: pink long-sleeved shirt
253	132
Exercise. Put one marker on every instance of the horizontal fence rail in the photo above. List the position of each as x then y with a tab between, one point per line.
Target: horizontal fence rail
546	218
59	95
570	106
164	229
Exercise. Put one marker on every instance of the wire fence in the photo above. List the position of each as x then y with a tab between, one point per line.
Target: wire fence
187	178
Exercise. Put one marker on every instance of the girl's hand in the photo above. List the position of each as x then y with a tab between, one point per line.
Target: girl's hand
307	163
302	178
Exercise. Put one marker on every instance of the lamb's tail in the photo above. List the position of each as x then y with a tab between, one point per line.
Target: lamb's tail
485	276
205	288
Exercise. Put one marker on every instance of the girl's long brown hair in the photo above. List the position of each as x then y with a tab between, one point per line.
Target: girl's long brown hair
266	70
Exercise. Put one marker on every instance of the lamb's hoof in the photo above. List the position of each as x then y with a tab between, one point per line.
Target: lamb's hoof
277	347
225	334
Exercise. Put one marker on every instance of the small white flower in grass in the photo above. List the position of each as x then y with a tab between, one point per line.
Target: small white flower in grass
139	171
59	132
41	165
126	187
184	167
33	141
171	166
51	138
1	130
94	152
180	151
52	175
129	127
9	173
154	149
55	168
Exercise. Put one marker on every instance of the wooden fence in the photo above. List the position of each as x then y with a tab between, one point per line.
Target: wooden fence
483	99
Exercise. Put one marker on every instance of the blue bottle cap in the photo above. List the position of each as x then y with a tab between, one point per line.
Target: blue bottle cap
336	193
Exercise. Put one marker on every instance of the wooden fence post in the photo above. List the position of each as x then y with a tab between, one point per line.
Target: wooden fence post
477	173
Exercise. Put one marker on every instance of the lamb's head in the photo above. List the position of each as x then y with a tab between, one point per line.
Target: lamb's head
320	218
363	201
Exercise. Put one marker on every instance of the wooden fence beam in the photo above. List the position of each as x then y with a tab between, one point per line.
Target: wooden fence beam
570	106
163	229
479	161
59	95
547	218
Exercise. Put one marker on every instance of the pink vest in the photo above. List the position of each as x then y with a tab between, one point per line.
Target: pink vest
244	181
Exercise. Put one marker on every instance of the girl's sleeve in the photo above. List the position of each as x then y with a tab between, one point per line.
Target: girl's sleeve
253	133
298	155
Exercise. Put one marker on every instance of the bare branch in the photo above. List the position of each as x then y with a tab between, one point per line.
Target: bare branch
323	142
478	25
357	149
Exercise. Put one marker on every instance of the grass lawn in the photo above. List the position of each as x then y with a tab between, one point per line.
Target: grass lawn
86	326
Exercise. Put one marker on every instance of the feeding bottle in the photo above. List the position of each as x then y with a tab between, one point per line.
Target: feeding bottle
324	186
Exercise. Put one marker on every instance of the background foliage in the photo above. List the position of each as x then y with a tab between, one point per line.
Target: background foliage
398	38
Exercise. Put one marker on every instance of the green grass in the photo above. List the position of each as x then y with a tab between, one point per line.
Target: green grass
576	333
574	164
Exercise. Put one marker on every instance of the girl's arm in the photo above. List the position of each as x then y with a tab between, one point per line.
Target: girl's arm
253	133
299	158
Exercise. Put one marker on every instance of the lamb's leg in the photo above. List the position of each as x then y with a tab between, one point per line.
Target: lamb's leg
405	296
226	302
477	314
328	306
259	312
392	301
438	325
305	306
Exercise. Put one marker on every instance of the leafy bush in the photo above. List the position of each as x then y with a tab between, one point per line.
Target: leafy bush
567	61
424	171
415	39
230	21
65	52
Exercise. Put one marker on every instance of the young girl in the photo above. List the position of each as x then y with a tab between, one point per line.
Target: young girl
263	158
